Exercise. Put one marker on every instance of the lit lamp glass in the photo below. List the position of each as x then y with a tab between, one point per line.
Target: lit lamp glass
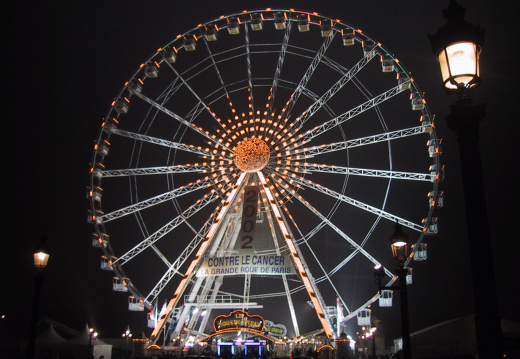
399	243
399	250
460	65
41	255
40	260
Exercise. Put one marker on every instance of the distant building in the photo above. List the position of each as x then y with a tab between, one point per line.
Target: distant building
456	338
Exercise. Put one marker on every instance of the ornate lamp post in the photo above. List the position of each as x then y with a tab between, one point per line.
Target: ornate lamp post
373	334
457	46
92	336
41	257
127	335
399	244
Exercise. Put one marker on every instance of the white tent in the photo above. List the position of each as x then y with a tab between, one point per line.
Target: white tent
82	346
48	343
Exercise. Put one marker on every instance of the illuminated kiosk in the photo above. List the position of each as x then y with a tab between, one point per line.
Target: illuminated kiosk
240	334
141	349
242	163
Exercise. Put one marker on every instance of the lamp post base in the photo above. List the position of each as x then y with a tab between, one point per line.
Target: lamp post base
464	119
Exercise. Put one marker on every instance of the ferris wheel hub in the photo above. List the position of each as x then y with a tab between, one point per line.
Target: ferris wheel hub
251	155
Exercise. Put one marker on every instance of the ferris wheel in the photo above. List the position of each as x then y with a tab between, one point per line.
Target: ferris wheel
259	161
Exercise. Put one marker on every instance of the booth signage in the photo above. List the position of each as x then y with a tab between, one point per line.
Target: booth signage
277	330
239	319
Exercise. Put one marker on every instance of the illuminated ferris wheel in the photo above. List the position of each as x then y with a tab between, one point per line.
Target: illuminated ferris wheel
259	161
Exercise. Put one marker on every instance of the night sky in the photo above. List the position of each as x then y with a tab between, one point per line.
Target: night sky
67	61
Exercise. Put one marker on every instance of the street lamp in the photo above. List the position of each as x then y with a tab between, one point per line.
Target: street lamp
399	244
41	257
367	340
457	46
127	335
373	334
92	335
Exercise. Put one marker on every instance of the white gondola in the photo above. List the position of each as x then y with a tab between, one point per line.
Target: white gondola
103	149
348	38
121	106
135	304
279	21
417	102
364	317
210	35
106	264
256	23
190	45
409	279
420	252
110	125
434	147
99	241
98	171
440	200
368	47
430	227
119	285
233	27
385	298
432	195
303	25
169	56
134	87
97	193
402	81
426	122
387	63
325	30
437	176
95	241
97	217
151	70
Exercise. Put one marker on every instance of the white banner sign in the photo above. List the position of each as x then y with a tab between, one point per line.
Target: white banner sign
245	264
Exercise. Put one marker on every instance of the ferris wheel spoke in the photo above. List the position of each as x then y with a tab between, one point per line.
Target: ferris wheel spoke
332	123
161	142
326	275
308	73
186	168
147	242
194	93
249	75
180	191
166	94
175	267
314	167
362	141
335	228
212	58
223	87
356	203
334	89
173	115
279	65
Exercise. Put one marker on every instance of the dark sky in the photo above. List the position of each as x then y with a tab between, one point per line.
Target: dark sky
67	61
